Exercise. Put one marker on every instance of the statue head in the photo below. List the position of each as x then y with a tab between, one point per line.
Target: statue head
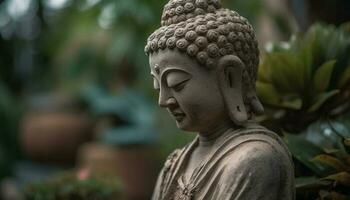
204	62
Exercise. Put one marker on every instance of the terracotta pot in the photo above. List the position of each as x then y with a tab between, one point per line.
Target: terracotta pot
53	136
135	165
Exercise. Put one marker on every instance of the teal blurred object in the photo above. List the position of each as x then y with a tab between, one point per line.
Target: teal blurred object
128	135
328	133
128	105
133	112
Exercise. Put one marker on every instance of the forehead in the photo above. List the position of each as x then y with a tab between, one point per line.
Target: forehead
162	60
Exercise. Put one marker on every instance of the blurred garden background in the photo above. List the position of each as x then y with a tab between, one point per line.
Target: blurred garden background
78	114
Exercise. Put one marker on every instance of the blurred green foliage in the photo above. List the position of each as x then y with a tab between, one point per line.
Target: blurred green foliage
67	186
74	43
47	47
79	42
328	163
306	78
305	85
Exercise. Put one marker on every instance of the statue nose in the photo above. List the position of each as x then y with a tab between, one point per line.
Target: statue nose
168	102
171	102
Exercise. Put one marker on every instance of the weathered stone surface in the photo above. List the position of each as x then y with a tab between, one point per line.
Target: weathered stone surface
204	67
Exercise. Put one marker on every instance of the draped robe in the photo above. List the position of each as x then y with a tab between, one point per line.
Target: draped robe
250	163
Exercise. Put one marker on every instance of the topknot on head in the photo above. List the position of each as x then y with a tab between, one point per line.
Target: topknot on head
206	35
176	11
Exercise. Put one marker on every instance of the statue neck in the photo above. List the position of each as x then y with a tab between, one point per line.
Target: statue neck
208	138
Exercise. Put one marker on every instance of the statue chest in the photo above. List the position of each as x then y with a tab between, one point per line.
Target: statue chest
185	185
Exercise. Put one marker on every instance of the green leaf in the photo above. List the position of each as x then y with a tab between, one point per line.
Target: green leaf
322	98
346	27
331	161
338	196
342	178
332	195
310	182
306	59
286	75
264	73
347	142
295	103
331	151
323	75
267	93
305	151
345	78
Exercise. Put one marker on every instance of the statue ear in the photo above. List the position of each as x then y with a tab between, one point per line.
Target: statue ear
230	74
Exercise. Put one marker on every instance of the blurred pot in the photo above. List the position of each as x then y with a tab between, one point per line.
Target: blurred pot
54	133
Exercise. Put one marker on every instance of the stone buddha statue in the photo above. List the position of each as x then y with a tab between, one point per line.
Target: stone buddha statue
204	62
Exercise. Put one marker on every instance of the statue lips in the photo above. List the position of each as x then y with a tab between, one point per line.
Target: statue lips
178	115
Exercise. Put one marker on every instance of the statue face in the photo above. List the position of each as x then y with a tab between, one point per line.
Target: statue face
188	91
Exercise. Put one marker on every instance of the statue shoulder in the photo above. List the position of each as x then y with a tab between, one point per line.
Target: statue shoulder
253	146
259	161
252	169
256	151
255	159
256	139
260	154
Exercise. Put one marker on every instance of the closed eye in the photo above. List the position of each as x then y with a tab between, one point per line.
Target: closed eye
179	86
177	80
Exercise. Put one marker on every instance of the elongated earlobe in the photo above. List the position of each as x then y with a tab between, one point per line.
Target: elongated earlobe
256	105
230	73
253	101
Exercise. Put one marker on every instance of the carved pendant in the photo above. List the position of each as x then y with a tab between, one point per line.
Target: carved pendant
183	194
